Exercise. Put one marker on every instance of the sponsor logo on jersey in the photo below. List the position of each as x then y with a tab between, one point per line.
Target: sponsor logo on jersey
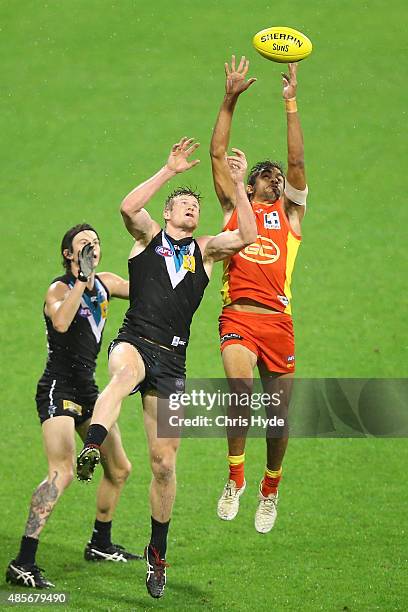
189	263
84	312
271	220
263	251
104	309
230	336
283	299
163	251
72	407
290	361
177	341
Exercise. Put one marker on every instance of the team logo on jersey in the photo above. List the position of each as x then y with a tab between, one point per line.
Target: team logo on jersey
263	251
271	220
163	251
179	383
283	299
72	407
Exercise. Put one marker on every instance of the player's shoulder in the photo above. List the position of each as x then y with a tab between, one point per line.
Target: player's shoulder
58	289
65	279
61	283
202	241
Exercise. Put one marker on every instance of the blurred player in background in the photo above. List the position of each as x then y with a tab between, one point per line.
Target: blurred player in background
256	323
168	273
75	311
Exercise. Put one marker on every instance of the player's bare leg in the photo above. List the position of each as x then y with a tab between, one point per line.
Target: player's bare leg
127	370
276	444
163	453
116	470
239	363
59	445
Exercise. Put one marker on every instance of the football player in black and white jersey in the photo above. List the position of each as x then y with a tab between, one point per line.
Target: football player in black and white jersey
168	273
75	311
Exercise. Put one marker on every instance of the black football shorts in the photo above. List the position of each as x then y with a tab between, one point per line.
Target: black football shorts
165	369
65	396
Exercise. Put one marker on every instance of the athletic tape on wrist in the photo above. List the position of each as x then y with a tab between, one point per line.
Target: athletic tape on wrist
290	105
297	196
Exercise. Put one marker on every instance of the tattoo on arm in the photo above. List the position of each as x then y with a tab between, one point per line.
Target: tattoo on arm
42	503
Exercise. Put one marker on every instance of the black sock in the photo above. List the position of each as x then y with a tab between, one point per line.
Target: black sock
28	549
101	535
96	435
158	539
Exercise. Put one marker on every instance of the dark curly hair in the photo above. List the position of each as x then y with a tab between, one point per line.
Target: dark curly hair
68	239
168	205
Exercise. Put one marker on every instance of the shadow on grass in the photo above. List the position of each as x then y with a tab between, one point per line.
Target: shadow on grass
98	581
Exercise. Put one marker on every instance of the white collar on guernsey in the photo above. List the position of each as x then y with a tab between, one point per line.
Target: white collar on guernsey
175	276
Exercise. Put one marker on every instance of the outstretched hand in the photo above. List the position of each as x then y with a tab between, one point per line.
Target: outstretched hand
237	165
290	82
179	154
235	82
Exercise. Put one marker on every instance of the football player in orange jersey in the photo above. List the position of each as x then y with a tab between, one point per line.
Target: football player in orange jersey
256	324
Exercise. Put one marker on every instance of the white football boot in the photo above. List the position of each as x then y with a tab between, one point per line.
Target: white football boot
228	504
266	513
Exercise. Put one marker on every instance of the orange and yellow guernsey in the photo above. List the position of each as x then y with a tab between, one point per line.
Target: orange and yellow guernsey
263	270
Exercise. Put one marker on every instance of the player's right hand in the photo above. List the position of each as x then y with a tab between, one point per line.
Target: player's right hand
235	82
86	261
179	154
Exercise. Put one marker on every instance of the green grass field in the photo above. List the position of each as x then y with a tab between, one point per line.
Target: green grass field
93	95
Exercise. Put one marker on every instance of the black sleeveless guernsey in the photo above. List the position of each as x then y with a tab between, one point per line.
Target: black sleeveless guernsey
74	352
167	283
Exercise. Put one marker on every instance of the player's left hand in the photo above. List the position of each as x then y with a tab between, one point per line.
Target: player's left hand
238	165
290	82
86	262
179	154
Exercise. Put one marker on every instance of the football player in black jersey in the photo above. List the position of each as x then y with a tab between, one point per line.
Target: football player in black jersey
168	273
75	312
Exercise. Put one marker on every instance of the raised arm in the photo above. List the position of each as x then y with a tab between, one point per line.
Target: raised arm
235	84
296	187
137	220
228	243
61	304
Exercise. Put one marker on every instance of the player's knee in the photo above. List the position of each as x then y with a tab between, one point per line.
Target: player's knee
125	377
119	474
61	475
241	391
163	463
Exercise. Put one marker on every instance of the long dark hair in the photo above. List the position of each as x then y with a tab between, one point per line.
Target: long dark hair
68	239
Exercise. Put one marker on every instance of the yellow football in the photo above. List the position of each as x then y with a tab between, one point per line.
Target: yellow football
282	44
